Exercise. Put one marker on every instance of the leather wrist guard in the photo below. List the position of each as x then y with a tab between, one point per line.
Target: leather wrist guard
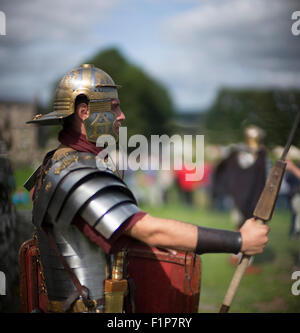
218	241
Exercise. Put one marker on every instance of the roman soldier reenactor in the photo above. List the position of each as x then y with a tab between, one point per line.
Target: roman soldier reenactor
92	245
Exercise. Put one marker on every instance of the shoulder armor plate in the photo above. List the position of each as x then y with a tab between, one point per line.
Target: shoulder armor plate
74	185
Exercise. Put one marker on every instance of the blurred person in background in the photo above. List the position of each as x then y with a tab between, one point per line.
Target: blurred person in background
243	175
293	178
185	188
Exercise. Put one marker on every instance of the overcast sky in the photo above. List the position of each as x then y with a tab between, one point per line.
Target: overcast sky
194	47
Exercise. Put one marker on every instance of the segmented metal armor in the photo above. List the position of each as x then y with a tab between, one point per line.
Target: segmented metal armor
78	184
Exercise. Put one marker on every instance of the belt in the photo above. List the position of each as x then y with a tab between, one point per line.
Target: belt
77	306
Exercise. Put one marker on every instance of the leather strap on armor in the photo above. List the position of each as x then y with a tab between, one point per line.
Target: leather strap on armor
218	241
81	291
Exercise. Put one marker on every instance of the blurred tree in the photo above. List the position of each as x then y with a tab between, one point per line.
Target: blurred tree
272	110
145	102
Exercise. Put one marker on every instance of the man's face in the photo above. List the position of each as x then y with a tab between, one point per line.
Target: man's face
99	122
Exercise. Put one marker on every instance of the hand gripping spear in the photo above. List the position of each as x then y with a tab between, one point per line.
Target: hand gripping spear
262	213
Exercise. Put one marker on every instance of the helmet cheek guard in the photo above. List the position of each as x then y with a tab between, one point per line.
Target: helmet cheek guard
101	120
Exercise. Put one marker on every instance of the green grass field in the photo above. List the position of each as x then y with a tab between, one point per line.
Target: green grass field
269	291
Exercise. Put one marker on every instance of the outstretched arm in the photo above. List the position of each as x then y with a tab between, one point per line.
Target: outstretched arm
160	232
181	236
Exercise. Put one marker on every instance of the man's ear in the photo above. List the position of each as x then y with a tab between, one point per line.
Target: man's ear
82	111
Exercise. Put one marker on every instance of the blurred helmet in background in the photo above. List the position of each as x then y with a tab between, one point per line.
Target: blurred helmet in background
254	136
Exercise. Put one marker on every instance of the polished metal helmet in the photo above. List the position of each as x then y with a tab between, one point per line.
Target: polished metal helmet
254	136
99	89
